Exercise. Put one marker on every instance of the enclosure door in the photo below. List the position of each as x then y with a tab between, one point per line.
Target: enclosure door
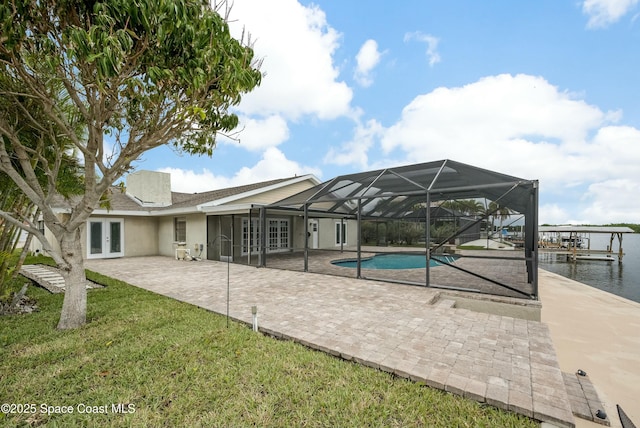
105	238
226	238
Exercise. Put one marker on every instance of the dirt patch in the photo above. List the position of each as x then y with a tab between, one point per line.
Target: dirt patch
25	305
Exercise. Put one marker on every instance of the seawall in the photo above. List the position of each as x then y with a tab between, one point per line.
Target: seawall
597	332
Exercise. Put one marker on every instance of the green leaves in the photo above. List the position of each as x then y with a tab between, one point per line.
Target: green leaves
108	80
133	66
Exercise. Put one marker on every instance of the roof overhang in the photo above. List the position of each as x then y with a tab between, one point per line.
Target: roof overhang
259	191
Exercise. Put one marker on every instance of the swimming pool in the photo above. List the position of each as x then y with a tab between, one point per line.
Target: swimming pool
394	261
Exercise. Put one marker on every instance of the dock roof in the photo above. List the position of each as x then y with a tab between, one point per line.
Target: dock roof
585	229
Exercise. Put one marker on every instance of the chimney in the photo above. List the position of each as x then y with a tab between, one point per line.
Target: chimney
150	188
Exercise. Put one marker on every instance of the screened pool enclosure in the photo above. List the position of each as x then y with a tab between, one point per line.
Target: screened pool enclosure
477	228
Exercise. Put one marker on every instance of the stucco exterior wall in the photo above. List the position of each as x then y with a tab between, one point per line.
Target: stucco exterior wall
166	246
196	233
327	233
297	235
140	236
352	232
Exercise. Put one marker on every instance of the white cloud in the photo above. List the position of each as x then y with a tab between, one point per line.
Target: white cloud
297	46
259	134
524	126
552	214
189	181
273	165
432	45
613	201
355	151
366	60
605	12
521	125
615	150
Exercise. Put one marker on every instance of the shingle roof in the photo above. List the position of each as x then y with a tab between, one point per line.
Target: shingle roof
120	201
181	200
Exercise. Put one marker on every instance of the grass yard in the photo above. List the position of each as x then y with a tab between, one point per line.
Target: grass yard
172	364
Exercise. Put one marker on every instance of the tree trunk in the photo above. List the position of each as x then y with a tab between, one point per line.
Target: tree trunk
74	306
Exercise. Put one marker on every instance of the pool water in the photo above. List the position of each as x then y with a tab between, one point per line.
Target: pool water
394	261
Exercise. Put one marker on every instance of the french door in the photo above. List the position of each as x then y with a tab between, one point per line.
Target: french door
105	238
277	235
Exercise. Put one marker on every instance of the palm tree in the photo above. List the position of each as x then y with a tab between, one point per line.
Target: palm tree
500	212
465	206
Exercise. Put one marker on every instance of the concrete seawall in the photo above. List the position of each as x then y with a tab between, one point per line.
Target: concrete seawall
599	333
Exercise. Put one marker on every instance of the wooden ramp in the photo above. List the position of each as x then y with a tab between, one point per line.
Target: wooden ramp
47	277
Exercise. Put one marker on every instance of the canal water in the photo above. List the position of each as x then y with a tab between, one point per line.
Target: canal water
620	279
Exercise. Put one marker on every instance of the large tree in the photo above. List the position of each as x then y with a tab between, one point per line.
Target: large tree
136	74
13	200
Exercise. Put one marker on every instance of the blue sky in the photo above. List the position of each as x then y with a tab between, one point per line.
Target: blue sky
545	89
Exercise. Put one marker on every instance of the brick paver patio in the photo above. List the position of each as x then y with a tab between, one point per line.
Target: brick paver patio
407	330
503	267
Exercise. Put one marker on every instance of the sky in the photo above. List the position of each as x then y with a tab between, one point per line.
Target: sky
545	89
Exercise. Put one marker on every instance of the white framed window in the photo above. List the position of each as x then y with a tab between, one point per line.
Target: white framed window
180	229
278	235
341	233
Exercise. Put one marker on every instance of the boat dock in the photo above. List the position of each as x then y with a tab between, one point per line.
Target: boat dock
575	242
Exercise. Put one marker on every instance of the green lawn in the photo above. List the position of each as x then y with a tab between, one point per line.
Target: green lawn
173	364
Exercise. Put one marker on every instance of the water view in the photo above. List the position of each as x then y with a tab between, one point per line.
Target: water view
620	279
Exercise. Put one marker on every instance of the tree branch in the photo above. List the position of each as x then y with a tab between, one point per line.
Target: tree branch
46	245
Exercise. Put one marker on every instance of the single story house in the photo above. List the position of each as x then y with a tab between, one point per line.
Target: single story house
248	224
146	218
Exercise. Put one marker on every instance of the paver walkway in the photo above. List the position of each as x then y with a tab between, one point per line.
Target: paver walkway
506	362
